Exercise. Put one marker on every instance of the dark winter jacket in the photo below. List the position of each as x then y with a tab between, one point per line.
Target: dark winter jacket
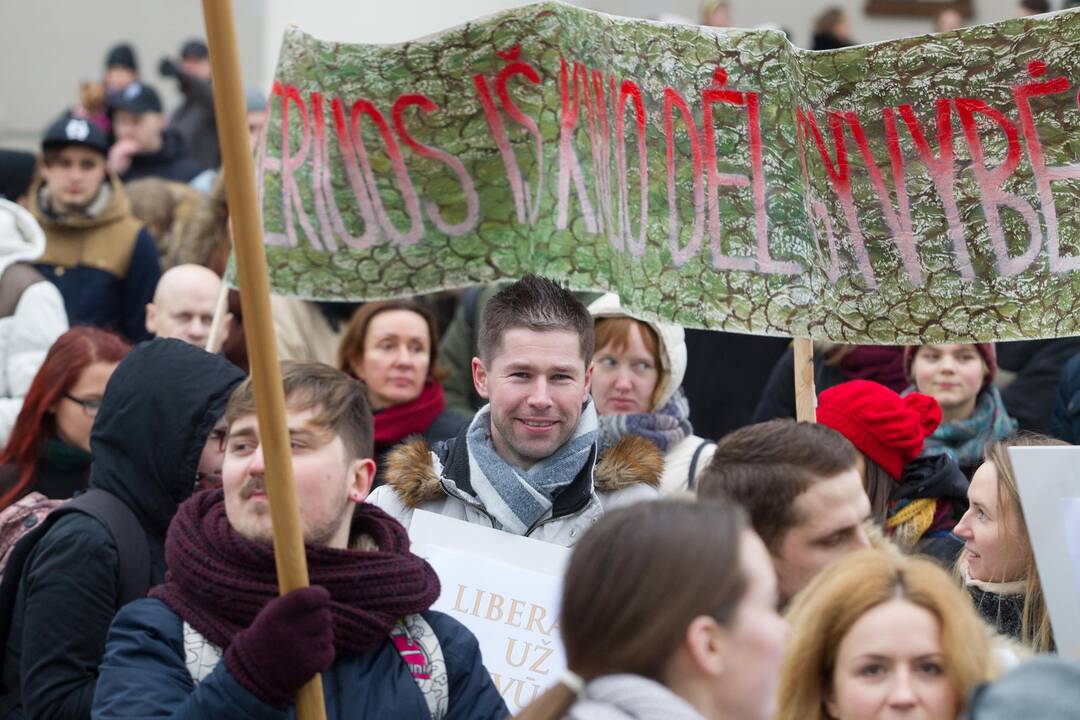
833	365
144	675
158	410
778	397
446	426
717	408
105	264
1065	418
195	122
171	162
1004	613
1037	365
829	41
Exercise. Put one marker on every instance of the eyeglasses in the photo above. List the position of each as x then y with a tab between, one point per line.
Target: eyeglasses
90	407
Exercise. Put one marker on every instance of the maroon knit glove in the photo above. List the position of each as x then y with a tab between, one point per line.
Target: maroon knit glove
291	640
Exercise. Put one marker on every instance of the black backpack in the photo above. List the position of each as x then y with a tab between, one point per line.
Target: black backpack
132	549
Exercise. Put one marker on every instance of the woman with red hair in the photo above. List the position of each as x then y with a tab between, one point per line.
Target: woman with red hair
49	448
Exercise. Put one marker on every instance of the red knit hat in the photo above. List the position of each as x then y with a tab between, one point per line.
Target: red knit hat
885	427
989	356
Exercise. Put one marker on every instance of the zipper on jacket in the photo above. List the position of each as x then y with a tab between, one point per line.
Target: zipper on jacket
467	501
544	521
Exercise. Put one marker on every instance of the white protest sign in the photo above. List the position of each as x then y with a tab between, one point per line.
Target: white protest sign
506	589
1049	482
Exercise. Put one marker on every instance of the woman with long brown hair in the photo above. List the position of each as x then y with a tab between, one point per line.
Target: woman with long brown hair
882	635
49	447
654	631
997	564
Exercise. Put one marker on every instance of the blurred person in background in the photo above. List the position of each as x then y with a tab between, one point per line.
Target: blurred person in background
832	29
194	120
100	257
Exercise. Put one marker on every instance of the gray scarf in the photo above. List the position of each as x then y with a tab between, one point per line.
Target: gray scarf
665	428
95	208
517	498
630	697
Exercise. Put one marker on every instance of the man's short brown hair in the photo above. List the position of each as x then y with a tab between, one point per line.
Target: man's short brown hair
765	467
341	400
534	303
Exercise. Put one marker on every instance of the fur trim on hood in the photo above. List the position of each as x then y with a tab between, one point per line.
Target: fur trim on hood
672	344
632	461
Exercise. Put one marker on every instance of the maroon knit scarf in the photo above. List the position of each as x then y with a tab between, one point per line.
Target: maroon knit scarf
218	581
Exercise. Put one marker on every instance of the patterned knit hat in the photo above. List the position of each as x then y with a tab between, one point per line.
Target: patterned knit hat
986	350
885	427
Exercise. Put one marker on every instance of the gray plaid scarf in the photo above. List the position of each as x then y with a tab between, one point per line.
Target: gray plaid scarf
517	498
665	428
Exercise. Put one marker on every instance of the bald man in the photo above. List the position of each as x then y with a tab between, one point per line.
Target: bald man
184	303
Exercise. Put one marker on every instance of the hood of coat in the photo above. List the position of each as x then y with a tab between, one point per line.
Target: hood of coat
411	472
158	410
672	345
21	238
932	476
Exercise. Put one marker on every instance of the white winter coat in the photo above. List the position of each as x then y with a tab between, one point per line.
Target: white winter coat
678	459
437	480
39	317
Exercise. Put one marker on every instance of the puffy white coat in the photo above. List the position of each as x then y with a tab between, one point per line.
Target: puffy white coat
437	480
39	317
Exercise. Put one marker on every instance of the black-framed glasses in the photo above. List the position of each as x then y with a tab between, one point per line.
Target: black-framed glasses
90	406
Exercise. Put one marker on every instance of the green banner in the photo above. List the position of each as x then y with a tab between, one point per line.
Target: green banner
919	190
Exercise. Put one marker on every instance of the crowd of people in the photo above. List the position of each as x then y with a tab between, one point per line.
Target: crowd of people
831	28
727	563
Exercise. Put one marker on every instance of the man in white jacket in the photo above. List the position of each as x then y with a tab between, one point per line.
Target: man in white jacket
528	464
32	312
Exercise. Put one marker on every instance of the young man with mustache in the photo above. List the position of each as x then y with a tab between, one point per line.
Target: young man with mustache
217	641
529	463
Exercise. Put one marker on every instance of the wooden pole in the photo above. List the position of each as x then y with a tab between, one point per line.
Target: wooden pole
258	325
805	395
217	326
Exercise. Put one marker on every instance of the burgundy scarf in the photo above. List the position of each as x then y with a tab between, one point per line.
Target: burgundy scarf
218	581
394	424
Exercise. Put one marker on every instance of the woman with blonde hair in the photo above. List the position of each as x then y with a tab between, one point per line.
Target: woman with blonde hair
653	632
879	634
997	564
